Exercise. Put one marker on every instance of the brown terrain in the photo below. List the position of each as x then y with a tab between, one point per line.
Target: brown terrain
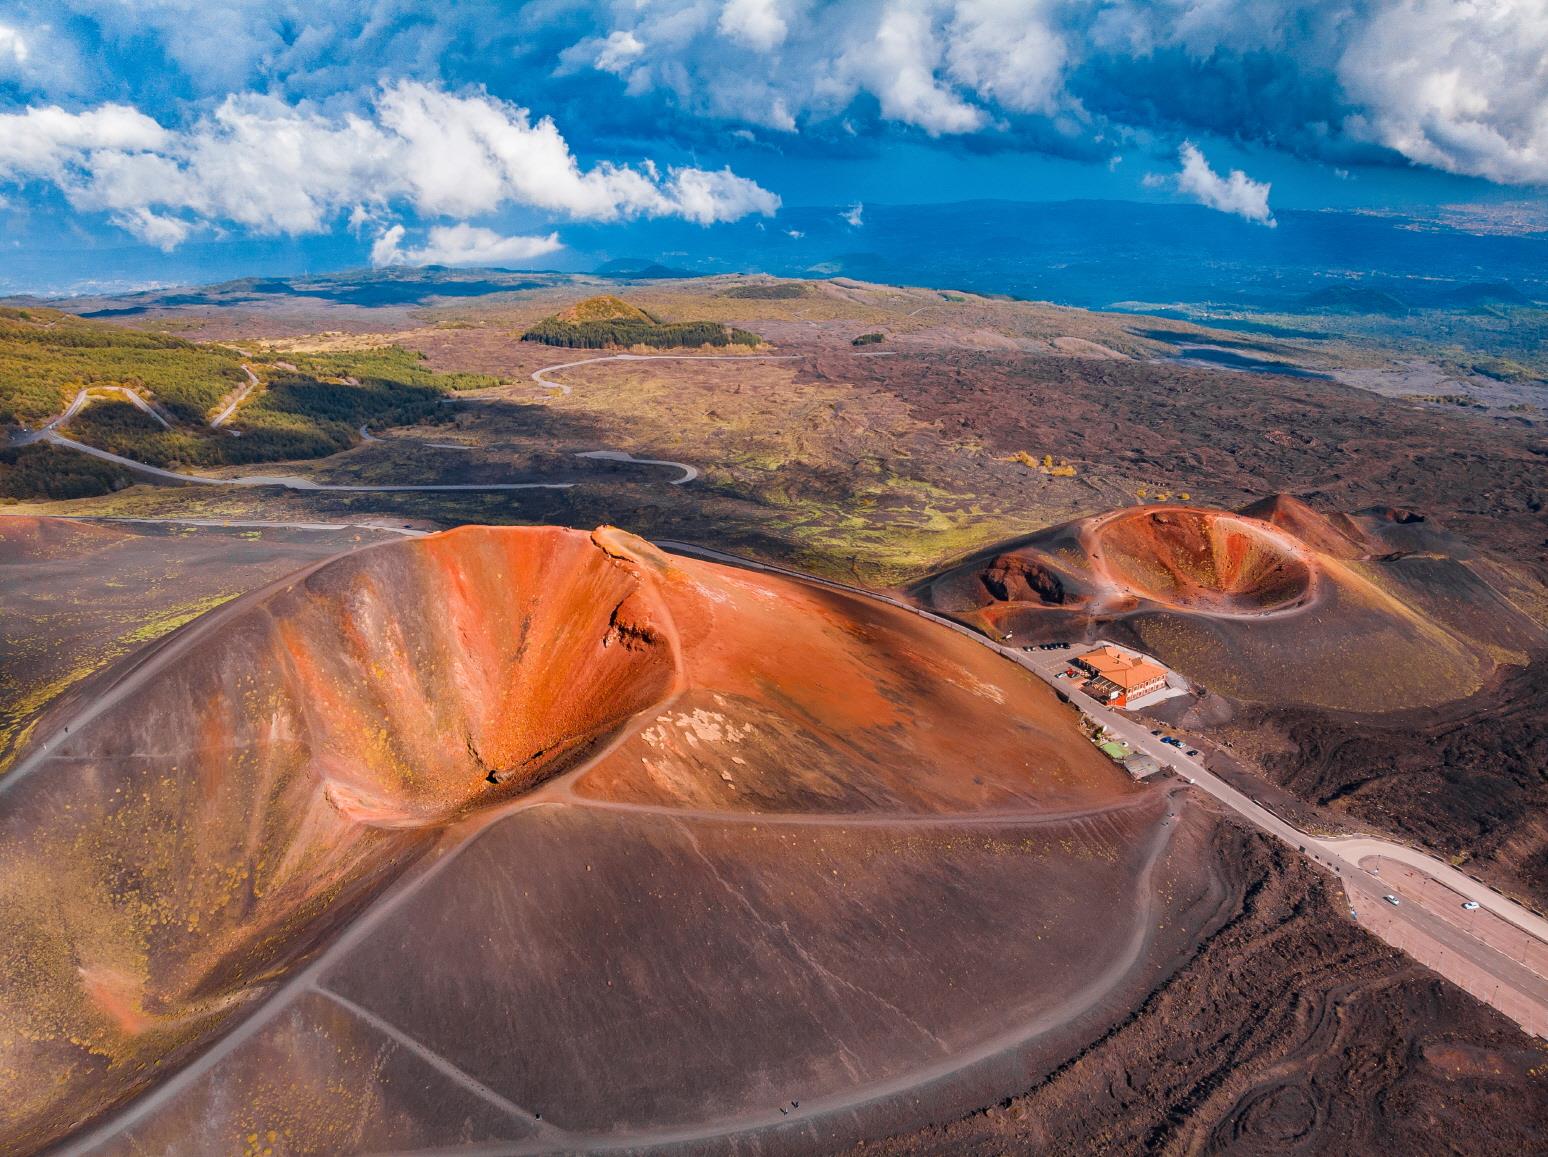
75	597
539	840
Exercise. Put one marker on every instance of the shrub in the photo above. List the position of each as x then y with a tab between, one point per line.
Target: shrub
626	332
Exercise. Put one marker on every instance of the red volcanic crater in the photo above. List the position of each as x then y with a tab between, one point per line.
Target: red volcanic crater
1203	560
614	836
1277	603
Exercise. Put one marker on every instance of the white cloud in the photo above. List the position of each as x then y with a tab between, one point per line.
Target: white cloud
461	244
1458	86
42	141
854	215
705	197
1238	193
165	233
266	166
756	24
1004	51
13	48
618	51
899	68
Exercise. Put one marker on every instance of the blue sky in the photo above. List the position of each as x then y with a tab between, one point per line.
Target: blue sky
477	132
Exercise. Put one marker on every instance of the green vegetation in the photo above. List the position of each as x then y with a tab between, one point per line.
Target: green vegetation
44	471
307	407
295	415
606	322
869	339
47	356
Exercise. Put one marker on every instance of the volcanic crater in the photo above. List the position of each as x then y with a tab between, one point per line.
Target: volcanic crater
1274	604
1210	561
556	809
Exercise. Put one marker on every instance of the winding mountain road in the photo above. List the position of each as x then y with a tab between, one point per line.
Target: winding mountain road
49	432
288	482
689	472
83	398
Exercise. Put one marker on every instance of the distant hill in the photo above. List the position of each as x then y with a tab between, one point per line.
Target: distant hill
639	269
1353	299
1480	294
604	307
606	322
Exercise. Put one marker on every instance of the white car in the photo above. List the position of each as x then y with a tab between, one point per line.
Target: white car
1393	900
1470	905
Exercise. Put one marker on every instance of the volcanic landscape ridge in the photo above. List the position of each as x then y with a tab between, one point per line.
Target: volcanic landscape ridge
516	784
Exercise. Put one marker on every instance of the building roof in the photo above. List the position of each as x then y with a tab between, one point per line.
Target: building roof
1122	670
1141	764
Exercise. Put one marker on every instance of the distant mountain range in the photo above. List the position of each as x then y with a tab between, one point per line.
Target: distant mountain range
1099	254
1093	254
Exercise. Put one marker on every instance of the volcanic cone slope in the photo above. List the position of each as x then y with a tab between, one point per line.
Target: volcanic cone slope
546	839
1278	604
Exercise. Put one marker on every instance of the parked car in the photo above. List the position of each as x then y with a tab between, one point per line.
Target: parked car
1471	905
1393	900
1192	753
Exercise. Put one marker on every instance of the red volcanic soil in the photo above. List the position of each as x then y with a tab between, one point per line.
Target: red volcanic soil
1335	534
27	538
1200	560
496	834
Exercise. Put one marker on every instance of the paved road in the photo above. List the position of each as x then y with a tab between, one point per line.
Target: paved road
689	472
1361	848
224	416
50	433
1526	993
286	481
382	525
